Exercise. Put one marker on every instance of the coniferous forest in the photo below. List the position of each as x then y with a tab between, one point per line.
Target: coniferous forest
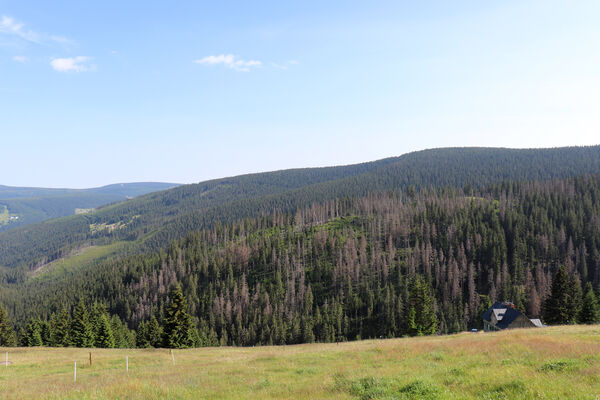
416	260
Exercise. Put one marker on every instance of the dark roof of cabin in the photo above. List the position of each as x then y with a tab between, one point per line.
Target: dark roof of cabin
509	316
487	315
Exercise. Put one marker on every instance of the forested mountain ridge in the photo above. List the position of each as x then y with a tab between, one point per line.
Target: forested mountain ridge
384	264
132	189
151	221
27	205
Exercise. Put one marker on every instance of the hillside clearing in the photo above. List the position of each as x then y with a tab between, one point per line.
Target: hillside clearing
4	215
79	258
552	363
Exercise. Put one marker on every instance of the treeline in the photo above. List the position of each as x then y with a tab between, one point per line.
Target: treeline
79	328
564	305
151	222
95	328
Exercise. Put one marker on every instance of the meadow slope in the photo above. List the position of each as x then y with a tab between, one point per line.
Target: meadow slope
552	363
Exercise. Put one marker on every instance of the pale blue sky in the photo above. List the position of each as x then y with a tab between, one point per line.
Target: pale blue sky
121	91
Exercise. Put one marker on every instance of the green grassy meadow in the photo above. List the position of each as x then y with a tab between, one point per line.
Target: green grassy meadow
78	259
4	215
551	363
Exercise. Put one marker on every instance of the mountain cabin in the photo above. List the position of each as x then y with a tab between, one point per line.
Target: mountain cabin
504	315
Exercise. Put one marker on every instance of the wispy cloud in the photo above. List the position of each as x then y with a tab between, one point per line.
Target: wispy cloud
21	59
12	27
72	64
230	61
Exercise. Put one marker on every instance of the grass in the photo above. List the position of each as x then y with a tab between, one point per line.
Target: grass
3	215
552	363
77	259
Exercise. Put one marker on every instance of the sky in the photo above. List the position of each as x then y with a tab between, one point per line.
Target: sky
93	93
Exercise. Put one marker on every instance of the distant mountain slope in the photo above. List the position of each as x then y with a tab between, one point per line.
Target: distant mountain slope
26	205
343	269
150	222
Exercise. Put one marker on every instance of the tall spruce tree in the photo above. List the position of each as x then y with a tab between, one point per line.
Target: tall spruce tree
421	318
82	334
141	335
590	311
94	316
60	327
101	326
178	325
45	332
7	333
32	334
104	335
560	307
116	325
154	333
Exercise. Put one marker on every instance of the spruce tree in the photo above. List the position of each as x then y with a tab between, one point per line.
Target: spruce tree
117	329
178	325
154	333
559	306
32	334
104	335
484	304
141	335
421	319
7	333
44	332
81	330
590	311
60	327
101	327
411	324
94	317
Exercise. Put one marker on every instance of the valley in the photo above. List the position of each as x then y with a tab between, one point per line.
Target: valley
28	205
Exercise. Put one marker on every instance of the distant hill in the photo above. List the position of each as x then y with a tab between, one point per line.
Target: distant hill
151	221
26	205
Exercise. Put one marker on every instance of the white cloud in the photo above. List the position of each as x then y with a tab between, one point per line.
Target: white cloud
10	26
230	61
21	59
72	64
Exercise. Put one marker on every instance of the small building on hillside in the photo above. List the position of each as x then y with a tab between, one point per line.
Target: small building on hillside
504	315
